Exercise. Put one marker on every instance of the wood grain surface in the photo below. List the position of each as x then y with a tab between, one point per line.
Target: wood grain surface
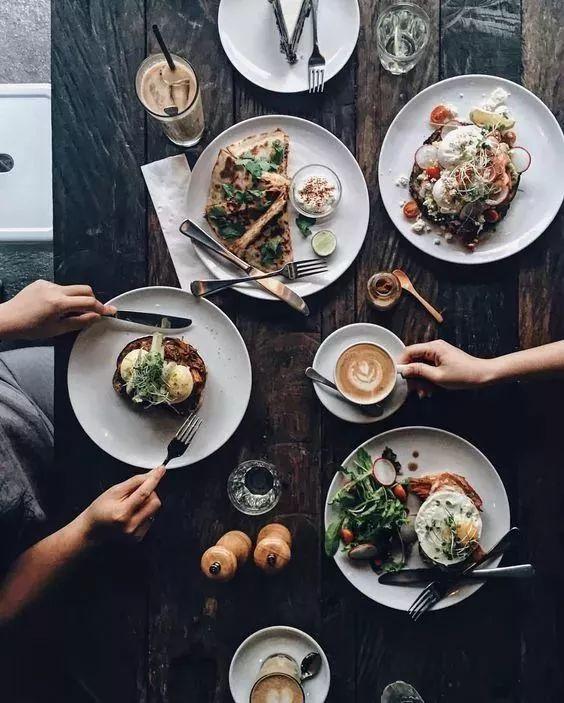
142	624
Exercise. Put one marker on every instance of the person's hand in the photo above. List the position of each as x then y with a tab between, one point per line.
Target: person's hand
438	363
125	510
45	309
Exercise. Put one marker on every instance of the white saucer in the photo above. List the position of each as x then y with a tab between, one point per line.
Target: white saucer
326	359
253	651
248	33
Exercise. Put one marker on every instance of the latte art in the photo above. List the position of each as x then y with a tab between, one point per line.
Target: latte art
365	373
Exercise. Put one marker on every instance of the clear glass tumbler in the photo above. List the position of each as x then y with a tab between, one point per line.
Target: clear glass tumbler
402	33
173	98
254	487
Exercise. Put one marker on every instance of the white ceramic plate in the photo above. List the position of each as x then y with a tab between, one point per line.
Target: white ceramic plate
541	189
309	144
251	40
257	647
140	438
438	451
326	359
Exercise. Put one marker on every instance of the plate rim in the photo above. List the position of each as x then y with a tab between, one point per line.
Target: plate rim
283	628
246	356
473	588
256	293
317	389
340	65
467	261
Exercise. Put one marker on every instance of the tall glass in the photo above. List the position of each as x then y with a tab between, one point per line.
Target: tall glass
173	98
402	33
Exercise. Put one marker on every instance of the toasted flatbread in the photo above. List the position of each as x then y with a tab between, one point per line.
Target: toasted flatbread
176	350
276	237
262	146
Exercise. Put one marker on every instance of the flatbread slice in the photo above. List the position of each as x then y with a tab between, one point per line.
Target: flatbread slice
273	247
270	146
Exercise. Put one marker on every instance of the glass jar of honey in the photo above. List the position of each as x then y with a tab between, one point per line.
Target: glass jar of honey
383	290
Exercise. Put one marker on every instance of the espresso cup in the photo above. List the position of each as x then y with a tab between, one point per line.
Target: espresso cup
279	679
365	373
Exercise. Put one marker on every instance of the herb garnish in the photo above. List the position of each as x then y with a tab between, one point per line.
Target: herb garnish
228	229
271	250
304	224
147	383
256	167
277	152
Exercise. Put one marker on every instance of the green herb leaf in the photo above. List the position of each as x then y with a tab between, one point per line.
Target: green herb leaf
271	250
333	537
217	213
277	155
231	230
256	167
229	190
304	224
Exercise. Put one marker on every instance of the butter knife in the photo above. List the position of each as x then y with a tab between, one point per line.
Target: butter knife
194	232
171	322
410	577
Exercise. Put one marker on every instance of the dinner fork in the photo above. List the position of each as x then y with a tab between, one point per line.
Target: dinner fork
183	437
438	589
316	63
292	271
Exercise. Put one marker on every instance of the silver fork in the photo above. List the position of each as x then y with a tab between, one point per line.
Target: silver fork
292	271
316	63
183	437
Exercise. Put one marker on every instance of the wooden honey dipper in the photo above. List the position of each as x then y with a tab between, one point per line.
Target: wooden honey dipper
221	562
273	550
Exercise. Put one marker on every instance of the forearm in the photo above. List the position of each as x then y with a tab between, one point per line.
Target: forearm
35	569
540	362
7	324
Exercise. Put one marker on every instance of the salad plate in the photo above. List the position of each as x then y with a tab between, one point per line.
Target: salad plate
307	144
533	200
140	436
251	40
422	451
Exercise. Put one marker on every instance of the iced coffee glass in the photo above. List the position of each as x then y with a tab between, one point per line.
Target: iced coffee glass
172	97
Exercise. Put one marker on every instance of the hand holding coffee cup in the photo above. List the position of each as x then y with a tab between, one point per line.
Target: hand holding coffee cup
365	373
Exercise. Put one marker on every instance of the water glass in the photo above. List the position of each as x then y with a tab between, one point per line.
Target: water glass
402	33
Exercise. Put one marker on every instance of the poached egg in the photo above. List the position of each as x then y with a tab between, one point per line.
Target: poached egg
459	145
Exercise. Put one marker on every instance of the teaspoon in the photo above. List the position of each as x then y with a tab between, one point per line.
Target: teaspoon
310	666
407	285
375	409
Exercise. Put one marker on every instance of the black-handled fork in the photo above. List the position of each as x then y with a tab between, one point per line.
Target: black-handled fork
183	437
440	588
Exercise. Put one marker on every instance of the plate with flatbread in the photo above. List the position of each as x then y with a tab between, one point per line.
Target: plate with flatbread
240	193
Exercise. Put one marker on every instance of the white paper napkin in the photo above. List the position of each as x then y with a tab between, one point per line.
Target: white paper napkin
167	181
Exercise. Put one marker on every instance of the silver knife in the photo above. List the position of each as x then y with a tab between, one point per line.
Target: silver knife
152	319
194	232
409	577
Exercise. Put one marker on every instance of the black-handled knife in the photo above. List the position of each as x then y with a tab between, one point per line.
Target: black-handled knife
151	319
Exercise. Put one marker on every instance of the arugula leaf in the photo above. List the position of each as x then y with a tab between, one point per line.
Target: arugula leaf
229	190
304	224
256	167
217	213
333	537
277	152
231	230
271	250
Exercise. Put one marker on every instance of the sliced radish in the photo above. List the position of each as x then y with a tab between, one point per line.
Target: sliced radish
499	197
384	471
426	156
520	158
450	126
489	174
363	551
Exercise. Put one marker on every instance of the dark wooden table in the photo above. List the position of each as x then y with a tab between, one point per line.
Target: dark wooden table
143	624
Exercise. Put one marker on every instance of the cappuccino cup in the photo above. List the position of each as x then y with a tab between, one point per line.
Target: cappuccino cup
278	680
365	373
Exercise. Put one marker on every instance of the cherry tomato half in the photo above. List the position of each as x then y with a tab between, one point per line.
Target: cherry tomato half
433	171
441	115
347	535
491	216
411	210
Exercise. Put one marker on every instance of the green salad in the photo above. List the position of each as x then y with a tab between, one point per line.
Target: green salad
370	514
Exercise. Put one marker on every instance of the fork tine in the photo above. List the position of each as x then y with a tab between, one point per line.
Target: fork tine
309	267
429	603
309	74
421	597
322	79
317	80
313	272
195	428
182	426
307	261
422	604
186	431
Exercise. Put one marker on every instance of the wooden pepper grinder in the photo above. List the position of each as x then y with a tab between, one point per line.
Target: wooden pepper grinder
221	561
273	550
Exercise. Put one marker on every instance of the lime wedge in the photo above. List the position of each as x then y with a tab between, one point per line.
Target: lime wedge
485	118
324	242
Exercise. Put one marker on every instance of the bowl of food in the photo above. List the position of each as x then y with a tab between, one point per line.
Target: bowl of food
315	191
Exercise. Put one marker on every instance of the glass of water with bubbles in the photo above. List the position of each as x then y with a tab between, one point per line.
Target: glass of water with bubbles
402	32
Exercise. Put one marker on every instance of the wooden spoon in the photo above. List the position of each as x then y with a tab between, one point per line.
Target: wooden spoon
407	285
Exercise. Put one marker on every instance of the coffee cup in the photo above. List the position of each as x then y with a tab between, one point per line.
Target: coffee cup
278	679
365	373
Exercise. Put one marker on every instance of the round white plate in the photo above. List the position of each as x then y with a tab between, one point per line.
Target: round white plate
326	359
541	189
139	437
257	647
309	144
438	451
251	40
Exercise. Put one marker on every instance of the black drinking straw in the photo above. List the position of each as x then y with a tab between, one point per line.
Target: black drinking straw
165	51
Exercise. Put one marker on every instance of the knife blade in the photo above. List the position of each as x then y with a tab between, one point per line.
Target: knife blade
410	577
152	319
194	232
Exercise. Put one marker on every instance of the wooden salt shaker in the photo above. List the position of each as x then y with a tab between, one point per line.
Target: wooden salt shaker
273	550
221	562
